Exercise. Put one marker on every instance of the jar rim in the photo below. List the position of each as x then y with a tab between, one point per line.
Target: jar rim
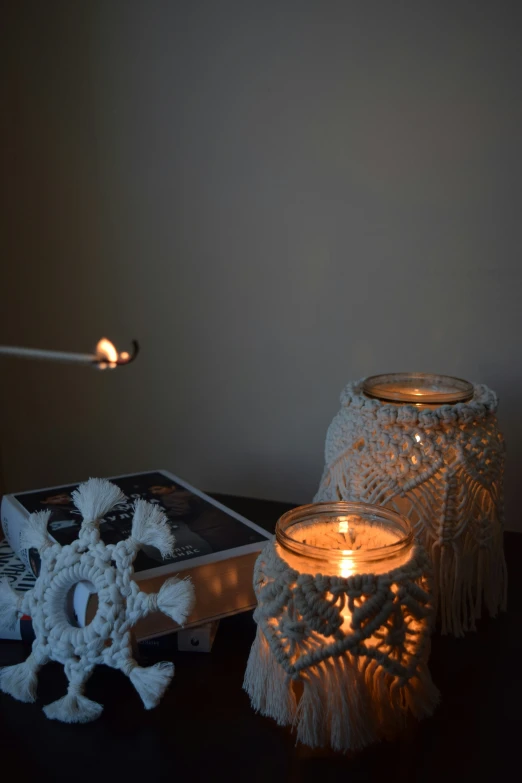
344	508
438	389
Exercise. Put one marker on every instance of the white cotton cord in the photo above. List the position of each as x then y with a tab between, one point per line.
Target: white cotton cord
96	498
73	708
150	527
10	605
34	534
152	682
176	599
108	638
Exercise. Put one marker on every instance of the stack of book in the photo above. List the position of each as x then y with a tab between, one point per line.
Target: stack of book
215	546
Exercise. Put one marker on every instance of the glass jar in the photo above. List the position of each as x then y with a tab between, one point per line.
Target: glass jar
343	539
419	389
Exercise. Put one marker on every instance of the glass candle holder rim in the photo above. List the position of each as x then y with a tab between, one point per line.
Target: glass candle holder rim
344	508
374	387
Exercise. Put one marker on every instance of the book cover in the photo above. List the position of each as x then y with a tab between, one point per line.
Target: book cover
22	580
12	569
205	530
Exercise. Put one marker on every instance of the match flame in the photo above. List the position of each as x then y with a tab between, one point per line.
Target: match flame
106	354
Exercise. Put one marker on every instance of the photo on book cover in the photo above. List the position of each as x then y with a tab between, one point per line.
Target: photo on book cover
200	527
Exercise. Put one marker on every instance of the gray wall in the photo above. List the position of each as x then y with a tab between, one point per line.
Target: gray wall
275	198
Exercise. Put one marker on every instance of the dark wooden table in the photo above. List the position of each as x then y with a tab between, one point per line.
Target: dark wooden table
204	728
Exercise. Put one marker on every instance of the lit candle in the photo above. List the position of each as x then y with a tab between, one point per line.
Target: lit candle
344	615
421	389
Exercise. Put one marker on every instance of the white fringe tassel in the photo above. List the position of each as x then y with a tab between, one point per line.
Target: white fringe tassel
346	702
20	681
150	528
152	682
74	708
466	576
268	685
96	497
176	599
35	535
10	605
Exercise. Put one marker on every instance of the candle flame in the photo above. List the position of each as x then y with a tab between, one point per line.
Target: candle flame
346	565
106	353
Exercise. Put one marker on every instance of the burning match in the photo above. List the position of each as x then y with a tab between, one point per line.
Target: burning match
105	356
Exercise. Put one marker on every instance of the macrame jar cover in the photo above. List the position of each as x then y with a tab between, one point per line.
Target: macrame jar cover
441	465
344	615
107	639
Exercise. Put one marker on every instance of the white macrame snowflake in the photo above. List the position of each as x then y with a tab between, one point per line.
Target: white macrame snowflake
107	639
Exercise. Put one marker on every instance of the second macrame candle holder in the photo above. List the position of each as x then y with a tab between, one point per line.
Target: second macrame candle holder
429	447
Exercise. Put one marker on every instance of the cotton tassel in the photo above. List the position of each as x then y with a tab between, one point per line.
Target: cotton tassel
20	681
453	587
338	698
421	695
74	707
96	497
267	684
336	708
176	599
10	605
152	682
377	688
353	720
310	719
150	527
34	534
466	575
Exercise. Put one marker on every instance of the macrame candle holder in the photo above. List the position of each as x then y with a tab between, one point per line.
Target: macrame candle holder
344	616
428	446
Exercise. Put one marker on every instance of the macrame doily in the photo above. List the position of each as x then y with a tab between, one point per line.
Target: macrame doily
440	467
107	639
342	681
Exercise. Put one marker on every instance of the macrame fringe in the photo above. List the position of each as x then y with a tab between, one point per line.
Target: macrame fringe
74	708
176	599
342	708
20	680
10	605
420	694
152	682
35	535
268	685
467	575
346	703
96	497
150	528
